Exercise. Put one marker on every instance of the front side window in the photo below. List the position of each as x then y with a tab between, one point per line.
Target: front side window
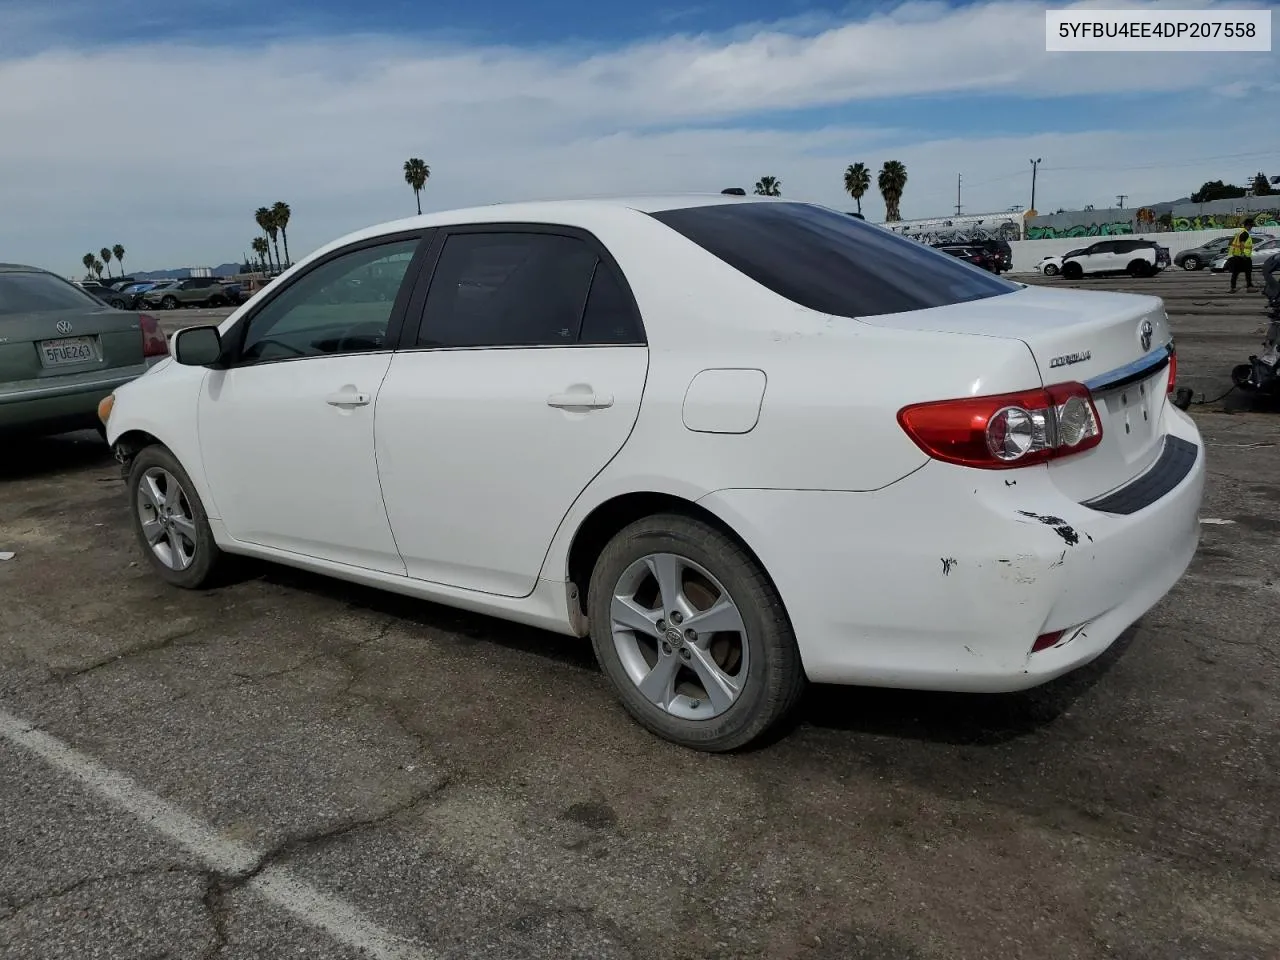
342	306
38	292
508	289
831	262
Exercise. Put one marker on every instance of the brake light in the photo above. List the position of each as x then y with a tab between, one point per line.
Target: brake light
1173	369
154	343
1008	430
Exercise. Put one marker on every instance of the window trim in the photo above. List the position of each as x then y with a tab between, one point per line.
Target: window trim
415	314
236	333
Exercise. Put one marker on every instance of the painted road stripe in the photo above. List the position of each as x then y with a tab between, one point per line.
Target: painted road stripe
277	885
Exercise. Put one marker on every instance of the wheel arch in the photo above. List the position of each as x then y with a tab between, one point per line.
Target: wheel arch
607	518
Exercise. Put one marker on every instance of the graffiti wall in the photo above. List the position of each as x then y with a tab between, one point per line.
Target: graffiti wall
1111	229
1263	220
1229	221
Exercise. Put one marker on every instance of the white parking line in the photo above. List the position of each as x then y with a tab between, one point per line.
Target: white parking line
277	885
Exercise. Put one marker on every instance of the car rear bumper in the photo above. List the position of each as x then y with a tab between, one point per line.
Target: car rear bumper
60	403
944	579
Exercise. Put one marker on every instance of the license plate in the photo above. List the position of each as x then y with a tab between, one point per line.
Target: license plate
58	353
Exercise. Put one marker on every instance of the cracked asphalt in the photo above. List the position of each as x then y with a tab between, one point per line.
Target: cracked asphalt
470	788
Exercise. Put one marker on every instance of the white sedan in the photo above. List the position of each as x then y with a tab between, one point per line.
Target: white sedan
740	442
1263	250
1051	266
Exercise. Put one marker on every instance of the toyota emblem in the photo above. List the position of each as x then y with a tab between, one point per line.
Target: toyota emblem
1145	335
64	326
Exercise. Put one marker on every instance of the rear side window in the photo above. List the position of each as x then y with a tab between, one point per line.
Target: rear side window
509	290
37	292
832	262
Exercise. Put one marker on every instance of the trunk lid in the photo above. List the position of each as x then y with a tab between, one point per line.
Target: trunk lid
1114	343
55	343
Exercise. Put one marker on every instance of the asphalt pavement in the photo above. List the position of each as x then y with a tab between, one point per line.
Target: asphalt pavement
289	766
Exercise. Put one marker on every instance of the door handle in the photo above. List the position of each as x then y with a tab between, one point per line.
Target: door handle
579	401
347	398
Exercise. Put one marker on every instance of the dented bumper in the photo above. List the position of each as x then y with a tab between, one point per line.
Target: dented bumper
945	579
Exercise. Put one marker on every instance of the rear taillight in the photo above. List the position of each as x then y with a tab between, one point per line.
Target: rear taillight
1009	430
154	343
1173	370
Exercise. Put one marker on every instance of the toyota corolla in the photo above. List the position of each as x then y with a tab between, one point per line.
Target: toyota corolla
742	443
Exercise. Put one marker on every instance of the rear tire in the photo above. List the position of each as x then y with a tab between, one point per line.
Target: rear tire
715	692
1072	271
1139	268
117	303
169	520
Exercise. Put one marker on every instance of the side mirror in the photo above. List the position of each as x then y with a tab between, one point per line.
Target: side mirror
197	346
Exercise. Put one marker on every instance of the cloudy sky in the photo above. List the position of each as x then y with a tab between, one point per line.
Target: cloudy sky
163	124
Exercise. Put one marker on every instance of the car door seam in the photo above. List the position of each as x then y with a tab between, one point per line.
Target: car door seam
377	464
648	361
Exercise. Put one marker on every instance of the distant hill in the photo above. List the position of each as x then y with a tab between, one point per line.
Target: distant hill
181	273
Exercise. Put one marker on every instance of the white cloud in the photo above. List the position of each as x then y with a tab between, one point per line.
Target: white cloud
208	134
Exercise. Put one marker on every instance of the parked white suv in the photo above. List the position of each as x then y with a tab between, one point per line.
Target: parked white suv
1138	258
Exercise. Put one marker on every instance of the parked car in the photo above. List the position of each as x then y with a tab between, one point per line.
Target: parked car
1051	266
951	481
192	292
1138	258
94	288
970	253
1261	251
62	350
1197	258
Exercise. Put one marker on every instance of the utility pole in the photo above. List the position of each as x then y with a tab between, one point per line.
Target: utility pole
1121	197
957	194
1034	166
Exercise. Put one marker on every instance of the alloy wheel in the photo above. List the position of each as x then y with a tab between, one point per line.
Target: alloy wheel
165	514
680	636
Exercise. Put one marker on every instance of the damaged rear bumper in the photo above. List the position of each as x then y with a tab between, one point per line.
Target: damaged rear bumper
945	579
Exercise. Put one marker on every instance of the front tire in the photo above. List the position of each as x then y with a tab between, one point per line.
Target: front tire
169	520
1072	271
692	634
1051	270
169	303
1191	263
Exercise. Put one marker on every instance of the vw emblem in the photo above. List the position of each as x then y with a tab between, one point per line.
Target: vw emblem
64	326
1145	335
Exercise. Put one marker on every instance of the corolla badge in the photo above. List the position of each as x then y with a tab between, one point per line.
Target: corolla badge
1145	333
1069	358
64	326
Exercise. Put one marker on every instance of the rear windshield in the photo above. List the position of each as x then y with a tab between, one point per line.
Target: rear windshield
38	292
830	261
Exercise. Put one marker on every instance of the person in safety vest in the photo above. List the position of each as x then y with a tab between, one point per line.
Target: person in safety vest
1240	256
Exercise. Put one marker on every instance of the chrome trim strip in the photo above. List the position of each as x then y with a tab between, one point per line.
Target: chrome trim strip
1142	367
64	389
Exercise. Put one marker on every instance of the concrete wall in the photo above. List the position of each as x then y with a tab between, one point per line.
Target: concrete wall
1027	253
1216	214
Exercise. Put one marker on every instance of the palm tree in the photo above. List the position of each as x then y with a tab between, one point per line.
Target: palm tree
98	267
769	187
118	250
280	214
857	181
263	218
892	181
263	251
87	260
415	175
105	254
